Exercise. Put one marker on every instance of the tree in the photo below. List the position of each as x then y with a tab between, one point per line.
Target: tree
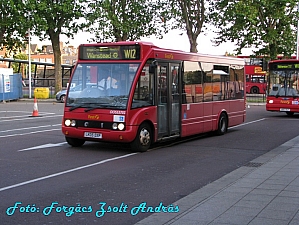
51	18
12	25
122	20
16	66
268	25
190	15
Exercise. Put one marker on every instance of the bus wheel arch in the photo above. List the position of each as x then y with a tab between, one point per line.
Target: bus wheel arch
254	90
222	125
144	137
74	142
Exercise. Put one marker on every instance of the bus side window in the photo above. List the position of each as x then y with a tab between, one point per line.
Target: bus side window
143	94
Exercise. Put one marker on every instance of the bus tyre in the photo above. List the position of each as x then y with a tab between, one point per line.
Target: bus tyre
74	142
222	124
290	113
143	139
254	90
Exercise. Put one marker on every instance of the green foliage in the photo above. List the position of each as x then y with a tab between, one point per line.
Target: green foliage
15	66
122	20
55	17
12	25
51	18
268	25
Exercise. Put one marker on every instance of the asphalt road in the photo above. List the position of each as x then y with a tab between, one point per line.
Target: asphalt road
43	180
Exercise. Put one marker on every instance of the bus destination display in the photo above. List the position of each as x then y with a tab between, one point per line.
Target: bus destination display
285	66
131	52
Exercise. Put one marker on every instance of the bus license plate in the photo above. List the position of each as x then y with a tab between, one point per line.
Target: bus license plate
92	135
284	110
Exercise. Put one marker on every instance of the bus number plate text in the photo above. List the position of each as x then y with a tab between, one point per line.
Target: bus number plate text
284	110
92	135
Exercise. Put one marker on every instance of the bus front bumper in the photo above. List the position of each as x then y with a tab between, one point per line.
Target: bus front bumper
101	135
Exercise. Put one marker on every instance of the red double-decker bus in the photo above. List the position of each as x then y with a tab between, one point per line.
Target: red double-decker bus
256	82
138	93
283	86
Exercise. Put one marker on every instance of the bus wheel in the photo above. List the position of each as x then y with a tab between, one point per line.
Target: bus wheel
74	142
222	124
254	90
290	113
143	138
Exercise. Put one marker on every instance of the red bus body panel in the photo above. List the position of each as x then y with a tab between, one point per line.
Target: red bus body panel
253	70
204	117
282	104
133	119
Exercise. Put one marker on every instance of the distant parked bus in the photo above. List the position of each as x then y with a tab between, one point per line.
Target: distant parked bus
256	82
138	93
283	86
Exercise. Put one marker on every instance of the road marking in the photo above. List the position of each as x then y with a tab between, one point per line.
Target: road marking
65	172
33	132
28	128
243	124
29	118
8	117
43	146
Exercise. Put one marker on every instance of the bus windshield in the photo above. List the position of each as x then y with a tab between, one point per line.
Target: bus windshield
101	85
283	83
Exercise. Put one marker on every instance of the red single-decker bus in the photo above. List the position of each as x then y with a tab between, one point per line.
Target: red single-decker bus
138	93
283	86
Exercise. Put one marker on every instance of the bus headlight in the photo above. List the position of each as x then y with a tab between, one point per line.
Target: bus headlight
270	101
121	126
114	126
73	123
69	122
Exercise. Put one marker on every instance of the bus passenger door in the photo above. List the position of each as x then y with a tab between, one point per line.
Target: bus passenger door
168	100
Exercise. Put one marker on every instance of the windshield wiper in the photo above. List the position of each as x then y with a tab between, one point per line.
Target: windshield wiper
103	106
76	107
82	105
97	106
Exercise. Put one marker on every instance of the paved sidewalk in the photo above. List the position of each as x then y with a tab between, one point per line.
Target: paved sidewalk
265	191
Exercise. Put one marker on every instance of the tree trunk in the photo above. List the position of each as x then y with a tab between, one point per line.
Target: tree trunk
193	46
193	41
54	36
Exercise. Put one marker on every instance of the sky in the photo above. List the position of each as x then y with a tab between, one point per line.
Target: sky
172	40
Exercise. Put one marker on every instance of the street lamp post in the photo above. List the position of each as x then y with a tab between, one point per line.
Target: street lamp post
297	56
29	63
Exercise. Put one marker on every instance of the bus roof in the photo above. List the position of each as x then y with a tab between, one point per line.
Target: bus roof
284	60
149	50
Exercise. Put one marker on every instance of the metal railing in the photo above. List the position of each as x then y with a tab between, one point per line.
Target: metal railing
256	98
